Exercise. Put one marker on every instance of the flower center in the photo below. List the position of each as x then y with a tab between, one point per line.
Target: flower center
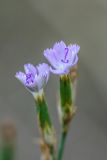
29	78
65	60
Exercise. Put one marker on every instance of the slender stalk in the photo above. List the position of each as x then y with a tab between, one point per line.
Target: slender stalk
8	153
52	152
45	125
62	145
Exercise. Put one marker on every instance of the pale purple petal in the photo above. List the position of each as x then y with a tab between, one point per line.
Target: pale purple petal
60	49
43	68
75	60
21	77
40	82
44	71
59	71
31	85
74	48
51	57
72	54
29	68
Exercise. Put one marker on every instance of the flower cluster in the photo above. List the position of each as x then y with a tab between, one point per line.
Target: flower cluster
61	57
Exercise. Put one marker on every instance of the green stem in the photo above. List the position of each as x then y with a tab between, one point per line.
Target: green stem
8	153
45	124
62	145
52	152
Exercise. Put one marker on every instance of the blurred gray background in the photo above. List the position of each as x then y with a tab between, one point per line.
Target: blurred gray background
27	27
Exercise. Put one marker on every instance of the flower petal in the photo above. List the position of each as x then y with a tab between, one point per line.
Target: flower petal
51	57
29	68
59	71
21	77
72	56
75	60
43	70
40	82
60	49
74	48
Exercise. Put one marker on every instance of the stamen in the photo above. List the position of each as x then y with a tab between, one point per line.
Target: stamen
29	78
66	49
65	61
